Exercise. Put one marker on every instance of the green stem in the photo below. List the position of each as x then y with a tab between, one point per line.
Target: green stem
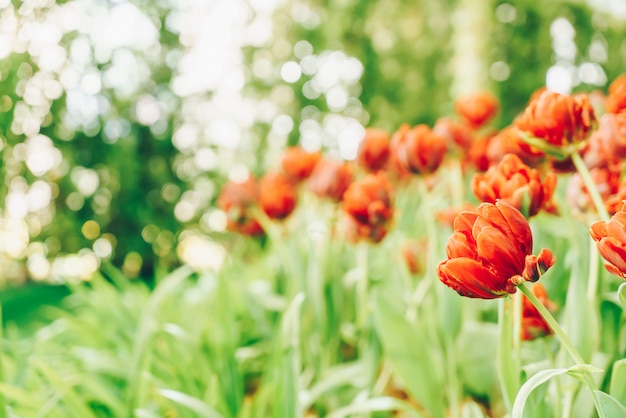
3	411
565	341
362	285
592	189
594	263
508	369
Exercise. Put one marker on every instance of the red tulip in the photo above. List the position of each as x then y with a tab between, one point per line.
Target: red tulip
611	240
533	324
374	149
517	184
456	134
477	109
489	253
298	163
277	195
330	179
509	141
235	200
559	120
616	100
368	203
419	150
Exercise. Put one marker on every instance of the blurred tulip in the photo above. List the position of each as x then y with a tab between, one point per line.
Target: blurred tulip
298	163
533	324
489	253
277	195
414	254
607	145
558	119
611	240
616	100
516	183
420	150
373	151
477	109
509	141
235	200
455	133
368	202
607	182
330	179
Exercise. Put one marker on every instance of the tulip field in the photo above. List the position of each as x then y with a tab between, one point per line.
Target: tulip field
449	271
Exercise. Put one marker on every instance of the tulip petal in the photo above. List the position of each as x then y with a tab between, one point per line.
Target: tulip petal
518	225
470	278
498	250
598	230
616	229
459	246
613	252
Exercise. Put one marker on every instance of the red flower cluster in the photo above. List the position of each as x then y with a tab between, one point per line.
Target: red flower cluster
533	324
611	240
489	253
517	184
558	119
368	203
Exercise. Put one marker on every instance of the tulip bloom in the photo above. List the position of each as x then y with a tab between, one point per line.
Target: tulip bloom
560	120
607	182
489	253
477	109
368	203
616	100
374	149
330	179
419	150
517	184
533	324
236	200
456	134
607	145
277	195
611	240
509	141
298	163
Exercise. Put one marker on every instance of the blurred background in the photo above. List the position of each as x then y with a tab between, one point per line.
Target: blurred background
120	120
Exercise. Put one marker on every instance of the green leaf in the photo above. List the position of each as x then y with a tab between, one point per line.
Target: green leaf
286	401
412	359
618	380
580	370
530	385
542	377
75	403
382	403
610	406
191	403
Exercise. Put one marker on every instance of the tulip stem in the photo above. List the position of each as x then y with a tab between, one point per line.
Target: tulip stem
3	411
592	189
565	341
